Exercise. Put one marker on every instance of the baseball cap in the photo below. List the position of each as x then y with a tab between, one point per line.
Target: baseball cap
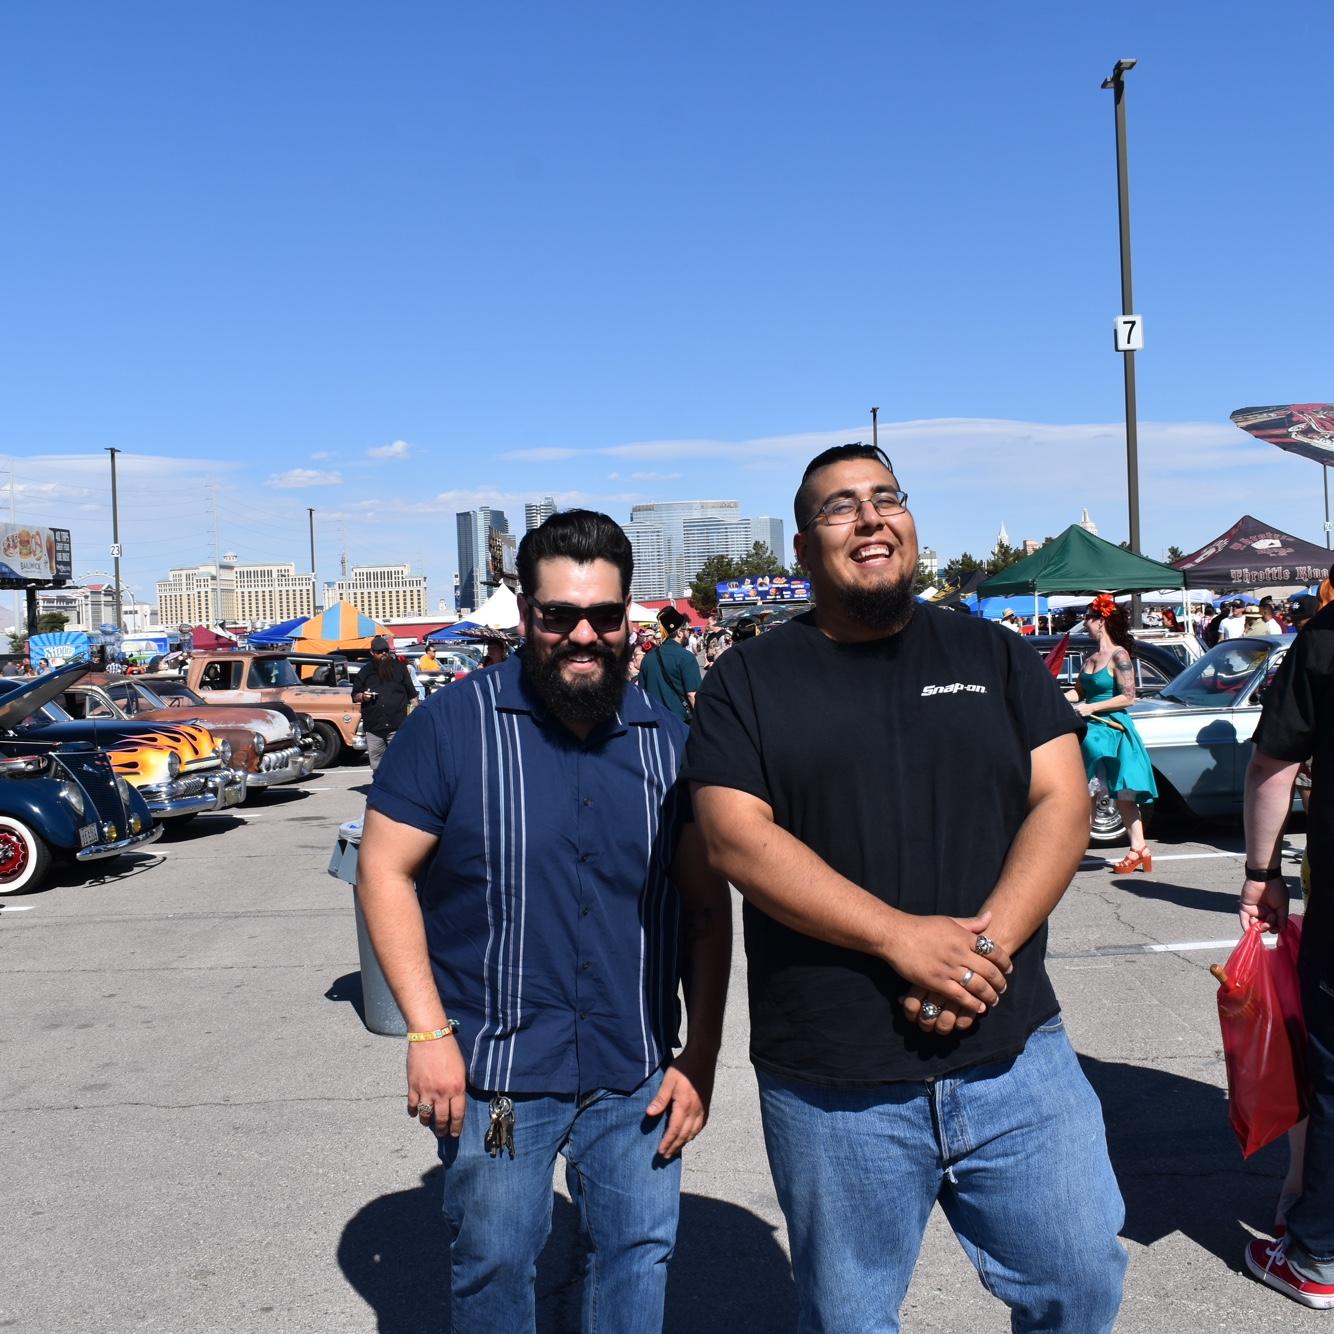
379	644
1305	606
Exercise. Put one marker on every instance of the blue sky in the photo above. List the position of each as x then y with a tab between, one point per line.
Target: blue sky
392	263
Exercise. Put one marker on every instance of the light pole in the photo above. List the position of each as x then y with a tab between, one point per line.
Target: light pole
115	542
875	429
1127	341
314	581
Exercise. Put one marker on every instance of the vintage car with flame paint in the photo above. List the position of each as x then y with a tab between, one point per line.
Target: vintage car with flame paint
59	800
268	746
178	769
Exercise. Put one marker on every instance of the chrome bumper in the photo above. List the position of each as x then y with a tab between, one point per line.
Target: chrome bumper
120	845
289	768
215	791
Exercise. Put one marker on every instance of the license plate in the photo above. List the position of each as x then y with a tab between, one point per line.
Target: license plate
87	835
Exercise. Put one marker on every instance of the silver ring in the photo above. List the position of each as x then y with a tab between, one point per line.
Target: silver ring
930	1010
426	1109
968	976
984	945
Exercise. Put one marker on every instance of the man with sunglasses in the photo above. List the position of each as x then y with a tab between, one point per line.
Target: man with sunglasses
385	692
900	833
535	893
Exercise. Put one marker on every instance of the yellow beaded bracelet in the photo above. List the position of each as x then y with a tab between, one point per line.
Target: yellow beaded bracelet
450	1026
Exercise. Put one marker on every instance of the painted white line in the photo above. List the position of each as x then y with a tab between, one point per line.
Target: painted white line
17	907
1186	946
1194	856
1179	947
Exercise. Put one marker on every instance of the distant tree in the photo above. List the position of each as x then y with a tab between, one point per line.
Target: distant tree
1175	554
18	642
760	560
1002	557
958	569
704	586
51	622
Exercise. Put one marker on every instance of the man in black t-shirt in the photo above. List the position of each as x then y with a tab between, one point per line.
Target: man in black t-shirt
1297	725
385	692
900	828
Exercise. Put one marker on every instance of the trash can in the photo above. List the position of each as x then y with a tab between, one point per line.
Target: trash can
380	1011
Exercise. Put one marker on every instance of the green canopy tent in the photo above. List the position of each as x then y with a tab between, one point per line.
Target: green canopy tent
1079	562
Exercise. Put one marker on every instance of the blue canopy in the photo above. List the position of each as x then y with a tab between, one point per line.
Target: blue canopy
281	633
994	608
455	631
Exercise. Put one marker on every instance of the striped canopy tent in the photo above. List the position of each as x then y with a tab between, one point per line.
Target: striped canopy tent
276	635
341	626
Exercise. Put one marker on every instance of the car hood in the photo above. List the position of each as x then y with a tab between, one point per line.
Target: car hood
269	723
18	703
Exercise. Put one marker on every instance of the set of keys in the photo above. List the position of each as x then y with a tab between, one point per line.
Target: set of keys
500	1133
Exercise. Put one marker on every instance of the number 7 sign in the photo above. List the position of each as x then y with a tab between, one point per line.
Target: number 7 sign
1128	333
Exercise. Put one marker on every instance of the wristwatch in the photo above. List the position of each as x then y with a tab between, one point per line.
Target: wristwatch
1262	877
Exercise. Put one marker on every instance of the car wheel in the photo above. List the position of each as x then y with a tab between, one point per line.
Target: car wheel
331	746
24	856
1107	823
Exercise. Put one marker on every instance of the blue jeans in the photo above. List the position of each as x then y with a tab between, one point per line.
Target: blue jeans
498	1210
1311	1219
1016	1153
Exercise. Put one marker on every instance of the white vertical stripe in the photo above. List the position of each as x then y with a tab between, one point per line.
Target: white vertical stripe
490	919
643	893
502	999
522	887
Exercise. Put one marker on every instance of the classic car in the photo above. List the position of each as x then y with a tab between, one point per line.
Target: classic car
266	745
243	677
1155	665
179	769
59	800
1198	730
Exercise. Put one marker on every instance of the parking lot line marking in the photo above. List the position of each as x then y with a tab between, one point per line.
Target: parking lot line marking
17	907
1179	947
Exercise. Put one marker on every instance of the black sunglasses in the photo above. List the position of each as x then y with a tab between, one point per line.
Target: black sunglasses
561	618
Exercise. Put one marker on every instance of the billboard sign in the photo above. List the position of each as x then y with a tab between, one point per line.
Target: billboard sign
33	555
763	588
501	557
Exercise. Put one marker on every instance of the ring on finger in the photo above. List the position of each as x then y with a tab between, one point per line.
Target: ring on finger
426	1110
984	945
968	976
930	1010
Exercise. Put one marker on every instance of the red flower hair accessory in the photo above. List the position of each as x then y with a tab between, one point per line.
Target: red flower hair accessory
1104	605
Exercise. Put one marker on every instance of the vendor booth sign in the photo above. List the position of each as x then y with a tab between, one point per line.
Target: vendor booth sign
764	588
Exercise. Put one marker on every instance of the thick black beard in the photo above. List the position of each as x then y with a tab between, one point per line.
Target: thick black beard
884	606
384	668
589	703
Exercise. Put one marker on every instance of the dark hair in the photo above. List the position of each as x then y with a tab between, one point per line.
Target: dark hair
1118	628
858	449
581	535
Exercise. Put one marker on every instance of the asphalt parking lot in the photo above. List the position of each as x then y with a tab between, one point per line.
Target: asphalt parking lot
200	1134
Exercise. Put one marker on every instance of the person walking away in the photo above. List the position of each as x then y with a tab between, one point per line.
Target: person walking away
386	694
879	941
1269	623
1296	726
535	891
1114	756
670	675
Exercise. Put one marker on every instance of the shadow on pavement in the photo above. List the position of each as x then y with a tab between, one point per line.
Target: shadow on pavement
1186	896
347	990
729	1272
1178	1162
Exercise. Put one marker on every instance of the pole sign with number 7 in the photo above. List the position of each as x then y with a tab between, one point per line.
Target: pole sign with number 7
1128	333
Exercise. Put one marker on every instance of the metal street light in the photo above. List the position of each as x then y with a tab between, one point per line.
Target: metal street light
1129	327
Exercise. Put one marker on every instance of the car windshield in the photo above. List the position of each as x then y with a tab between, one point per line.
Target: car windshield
151	699
1220	676
267	673
47	714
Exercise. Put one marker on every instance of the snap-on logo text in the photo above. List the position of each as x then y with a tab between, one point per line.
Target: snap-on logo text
955	689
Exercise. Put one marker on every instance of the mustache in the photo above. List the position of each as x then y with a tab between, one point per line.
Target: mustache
596	650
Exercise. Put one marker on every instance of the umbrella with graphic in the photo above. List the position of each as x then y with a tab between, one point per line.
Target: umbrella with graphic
1300	428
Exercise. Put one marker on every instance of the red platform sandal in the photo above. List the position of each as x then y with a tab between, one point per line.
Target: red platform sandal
1141	860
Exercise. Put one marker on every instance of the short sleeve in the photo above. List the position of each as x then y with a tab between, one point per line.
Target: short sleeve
414	782
690	673
1040	711
1288	726
724	748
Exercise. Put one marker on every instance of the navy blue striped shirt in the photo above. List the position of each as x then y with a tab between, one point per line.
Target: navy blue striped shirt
550	919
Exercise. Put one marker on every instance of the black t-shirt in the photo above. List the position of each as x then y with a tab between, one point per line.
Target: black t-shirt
905	764
384	714
1297	723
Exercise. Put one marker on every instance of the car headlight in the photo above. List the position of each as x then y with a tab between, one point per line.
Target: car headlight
307	721
124	789
73	794
225	753
173	765
259	743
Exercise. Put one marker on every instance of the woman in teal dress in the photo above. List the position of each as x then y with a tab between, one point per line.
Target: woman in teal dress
1114	755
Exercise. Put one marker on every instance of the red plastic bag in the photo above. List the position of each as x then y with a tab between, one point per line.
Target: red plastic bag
1264	1038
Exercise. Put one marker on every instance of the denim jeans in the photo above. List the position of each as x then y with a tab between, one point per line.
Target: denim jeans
1016	1153
1311	1219
498	1210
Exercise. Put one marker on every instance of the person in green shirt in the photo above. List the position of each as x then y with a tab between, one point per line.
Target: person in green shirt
670	674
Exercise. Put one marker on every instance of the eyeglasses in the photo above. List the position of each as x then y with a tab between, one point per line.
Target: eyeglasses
562	618
848	509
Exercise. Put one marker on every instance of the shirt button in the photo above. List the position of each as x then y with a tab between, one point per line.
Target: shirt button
584	911
585	966
583	1014
588	801
584	856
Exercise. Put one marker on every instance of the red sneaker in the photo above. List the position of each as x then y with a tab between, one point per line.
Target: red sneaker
1268	1261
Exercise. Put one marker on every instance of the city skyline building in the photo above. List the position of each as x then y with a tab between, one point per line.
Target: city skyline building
473	528
267	594
382	592
672	539
536	513
198	594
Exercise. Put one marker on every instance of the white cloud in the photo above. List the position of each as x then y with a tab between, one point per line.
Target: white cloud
400	449
653	476
321	454
303	477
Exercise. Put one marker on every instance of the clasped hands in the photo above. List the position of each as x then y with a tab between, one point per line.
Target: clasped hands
938	956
